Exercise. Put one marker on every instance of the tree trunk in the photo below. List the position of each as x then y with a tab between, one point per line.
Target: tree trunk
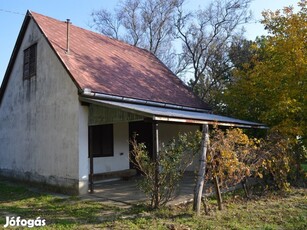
244	185
218	193
205	203
202	170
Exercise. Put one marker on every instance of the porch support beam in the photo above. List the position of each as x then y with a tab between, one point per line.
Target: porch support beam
155	135
91	179
198	192
155	152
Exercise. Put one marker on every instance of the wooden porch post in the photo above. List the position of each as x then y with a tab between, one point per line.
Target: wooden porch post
155	152
155	129
91	171
202	169
91	174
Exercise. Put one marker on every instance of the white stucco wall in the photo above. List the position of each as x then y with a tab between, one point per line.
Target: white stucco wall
39	121
83	149
120	160
120	119
168	131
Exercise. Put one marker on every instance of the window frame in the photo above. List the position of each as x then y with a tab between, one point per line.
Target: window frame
30	61
106	147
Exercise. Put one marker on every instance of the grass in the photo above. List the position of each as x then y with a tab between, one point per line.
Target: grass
272	211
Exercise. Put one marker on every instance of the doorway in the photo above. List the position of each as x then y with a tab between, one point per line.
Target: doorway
143	132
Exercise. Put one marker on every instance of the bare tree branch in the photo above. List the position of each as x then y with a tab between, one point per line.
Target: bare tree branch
106	23
144	23
204	36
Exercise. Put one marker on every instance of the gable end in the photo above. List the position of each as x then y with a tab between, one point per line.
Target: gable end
17	46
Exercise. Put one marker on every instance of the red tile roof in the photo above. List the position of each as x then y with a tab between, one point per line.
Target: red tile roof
109	66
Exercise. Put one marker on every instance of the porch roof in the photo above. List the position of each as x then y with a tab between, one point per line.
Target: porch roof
167	114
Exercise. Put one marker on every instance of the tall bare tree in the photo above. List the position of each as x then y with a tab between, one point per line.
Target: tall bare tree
206	36
147	24
203	38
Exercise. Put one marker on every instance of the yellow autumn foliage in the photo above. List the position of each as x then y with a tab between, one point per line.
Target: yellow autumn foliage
273	90
231	156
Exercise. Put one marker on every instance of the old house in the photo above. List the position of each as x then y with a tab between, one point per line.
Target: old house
71	99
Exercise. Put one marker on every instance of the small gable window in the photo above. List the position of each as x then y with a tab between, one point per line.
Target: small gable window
29	62
101	140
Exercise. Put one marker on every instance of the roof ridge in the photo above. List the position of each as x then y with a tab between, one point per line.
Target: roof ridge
94	32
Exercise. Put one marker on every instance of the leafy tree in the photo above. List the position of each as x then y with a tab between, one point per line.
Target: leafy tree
241	53
272	88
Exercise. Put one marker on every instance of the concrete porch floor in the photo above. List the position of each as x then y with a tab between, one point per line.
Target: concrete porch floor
123	193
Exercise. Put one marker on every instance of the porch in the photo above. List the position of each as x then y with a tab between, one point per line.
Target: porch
155	124
126	192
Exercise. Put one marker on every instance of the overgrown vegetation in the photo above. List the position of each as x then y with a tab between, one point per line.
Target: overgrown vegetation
266	211
232	158
270	87
162	173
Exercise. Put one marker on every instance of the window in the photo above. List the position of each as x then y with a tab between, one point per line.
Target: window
101	140
29	62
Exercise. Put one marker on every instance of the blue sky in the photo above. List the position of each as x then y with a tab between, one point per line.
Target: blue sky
12	15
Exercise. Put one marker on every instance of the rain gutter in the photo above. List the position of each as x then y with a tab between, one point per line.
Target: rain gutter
89	94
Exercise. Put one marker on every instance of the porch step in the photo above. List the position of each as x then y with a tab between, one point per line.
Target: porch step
124	174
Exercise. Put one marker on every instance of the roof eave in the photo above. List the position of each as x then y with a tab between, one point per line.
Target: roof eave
158	117
207	122
102	96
